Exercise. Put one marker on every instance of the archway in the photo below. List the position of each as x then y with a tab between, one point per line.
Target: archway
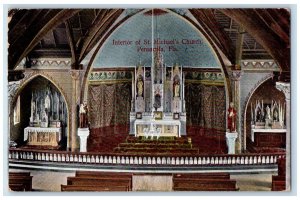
266	99
28	105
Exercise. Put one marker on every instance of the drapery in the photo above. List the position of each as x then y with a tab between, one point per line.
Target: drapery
109	104
205	106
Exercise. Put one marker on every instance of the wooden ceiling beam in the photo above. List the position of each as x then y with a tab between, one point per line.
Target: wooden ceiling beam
35	33
255	27
70	36
210	24
18	27
98	29
265	16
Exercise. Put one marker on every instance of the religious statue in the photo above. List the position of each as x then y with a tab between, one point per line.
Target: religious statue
83	115
176	86
268	114
44	119
140	86
231	118
47	102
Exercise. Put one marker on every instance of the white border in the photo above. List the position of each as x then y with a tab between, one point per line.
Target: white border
157	3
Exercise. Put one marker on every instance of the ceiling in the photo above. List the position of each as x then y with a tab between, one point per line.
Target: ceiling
236	33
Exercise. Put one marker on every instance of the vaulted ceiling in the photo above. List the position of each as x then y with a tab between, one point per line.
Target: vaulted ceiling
237	33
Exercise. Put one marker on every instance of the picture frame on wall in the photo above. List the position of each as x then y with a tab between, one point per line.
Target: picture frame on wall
139	115
158	115
175	115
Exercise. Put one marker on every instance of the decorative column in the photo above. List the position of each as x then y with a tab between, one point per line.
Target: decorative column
75	74
235	77
285	88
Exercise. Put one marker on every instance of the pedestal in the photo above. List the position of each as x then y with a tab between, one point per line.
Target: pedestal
230	141
83	133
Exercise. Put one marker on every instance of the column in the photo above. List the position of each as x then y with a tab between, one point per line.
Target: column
235	77
75	74
285	88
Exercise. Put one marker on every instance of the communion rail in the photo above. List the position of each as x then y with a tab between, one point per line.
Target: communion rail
134	159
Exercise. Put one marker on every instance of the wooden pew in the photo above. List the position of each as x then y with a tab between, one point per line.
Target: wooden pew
20	181
210	183
203	175
92	188
102	174
278	186
100	181
278	183
204	189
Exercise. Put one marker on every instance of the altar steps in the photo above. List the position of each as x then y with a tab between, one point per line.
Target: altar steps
159	145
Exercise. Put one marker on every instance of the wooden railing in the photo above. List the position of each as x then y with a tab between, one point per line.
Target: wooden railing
134	159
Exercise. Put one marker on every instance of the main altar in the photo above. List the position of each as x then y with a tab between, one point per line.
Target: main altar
158	105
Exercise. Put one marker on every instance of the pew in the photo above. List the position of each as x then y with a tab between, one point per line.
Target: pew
278	183
204	183
102	174
20	181
203	175
191	188
92	188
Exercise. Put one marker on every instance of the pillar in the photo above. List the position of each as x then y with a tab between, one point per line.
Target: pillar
235	77
285	88
75	74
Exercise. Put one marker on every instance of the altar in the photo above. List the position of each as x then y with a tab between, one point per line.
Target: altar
42	136
159	128
158	100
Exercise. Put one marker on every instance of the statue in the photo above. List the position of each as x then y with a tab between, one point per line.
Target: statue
83	115
47	102
176	88
140	86
231	118
268	114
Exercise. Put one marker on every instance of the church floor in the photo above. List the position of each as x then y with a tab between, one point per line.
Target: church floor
50	181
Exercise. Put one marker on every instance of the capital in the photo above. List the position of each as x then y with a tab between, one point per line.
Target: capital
235	74
75	74
285	88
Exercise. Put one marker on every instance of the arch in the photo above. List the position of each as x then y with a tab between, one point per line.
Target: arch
32	76
244	109
187	19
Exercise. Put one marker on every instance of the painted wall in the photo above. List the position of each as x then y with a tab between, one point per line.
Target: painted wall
179	43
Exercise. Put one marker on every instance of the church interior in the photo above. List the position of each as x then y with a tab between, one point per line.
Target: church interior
153	99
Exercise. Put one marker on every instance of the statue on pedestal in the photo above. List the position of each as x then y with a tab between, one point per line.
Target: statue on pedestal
231	118
176	86
140	86
83	115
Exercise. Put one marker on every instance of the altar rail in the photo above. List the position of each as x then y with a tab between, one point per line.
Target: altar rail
162	160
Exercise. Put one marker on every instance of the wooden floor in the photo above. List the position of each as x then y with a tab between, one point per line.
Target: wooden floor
50	181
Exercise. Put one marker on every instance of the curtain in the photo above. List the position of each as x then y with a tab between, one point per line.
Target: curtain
205	106
109	104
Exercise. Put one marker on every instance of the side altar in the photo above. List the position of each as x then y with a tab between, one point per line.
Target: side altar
45	123
158	104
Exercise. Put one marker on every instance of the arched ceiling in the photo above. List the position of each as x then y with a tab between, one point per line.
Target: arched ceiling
177	40
237	33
